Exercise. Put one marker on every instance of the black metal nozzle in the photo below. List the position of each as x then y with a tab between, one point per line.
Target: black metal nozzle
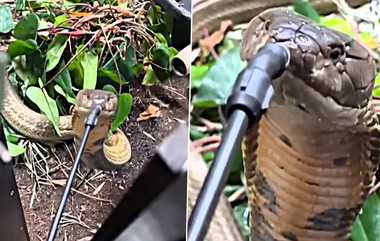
243	109
253	83
90	123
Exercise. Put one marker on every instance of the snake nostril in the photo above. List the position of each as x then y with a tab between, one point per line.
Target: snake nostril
335	53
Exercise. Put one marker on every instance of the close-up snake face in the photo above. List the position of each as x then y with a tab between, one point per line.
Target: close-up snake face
324	64
86	99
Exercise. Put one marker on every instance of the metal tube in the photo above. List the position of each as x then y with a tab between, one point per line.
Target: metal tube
90	123
217	176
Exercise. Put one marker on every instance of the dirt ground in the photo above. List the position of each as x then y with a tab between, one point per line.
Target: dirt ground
96	193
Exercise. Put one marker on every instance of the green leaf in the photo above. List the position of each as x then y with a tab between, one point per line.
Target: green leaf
337	24
137	69
124	108
60	91
20	4
162	57
217	84
6	20
36	63
61	21
304	7
161	39
14	144
27	28
20	47
15	149
90	67
160	22
125	70
376	91
197	75
150	77
55	51
208	156
109	74
23	71
130	56
123	66
64	81
76	69
241	213
110	88
366	226
196	134
46	104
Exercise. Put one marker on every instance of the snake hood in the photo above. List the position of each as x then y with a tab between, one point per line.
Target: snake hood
329	74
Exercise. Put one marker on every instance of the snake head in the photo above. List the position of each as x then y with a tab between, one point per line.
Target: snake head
88	99
326	67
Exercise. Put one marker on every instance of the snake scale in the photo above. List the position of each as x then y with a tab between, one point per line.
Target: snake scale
102	151
311	161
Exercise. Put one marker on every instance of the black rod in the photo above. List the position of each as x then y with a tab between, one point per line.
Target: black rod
217	176
244	107
90	123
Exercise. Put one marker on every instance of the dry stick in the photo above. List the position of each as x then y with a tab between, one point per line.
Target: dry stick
96	35
173	90
374	188
113	57
86	19
101	57
211	126
79	192
92	197
71	60
71	219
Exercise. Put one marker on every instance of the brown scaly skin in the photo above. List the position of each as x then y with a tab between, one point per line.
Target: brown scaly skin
317	151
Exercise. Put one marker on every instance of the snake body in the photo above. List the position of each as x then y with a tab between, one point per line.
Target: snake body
311	160
102	151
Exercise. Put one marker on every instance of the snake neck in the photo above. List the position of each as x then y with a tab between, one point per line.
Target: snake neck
310	180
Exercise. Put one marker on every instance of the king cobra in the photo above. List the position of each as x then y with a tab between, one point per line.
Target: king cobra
102	151
311	160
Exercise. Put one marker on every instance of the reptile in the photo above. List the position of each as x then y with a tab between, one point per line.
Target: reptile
102	151
312	159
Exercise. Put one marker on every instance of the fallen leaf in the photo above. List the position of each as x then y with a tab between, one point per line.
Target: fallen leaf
151	112
80	14
207	44
126	12
121	2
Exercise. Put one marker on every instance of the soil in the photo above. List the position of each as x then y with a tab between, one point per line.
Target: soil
88	207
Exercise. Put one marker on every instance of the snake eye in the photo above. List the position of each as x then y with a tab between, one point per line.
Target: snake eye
336	52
